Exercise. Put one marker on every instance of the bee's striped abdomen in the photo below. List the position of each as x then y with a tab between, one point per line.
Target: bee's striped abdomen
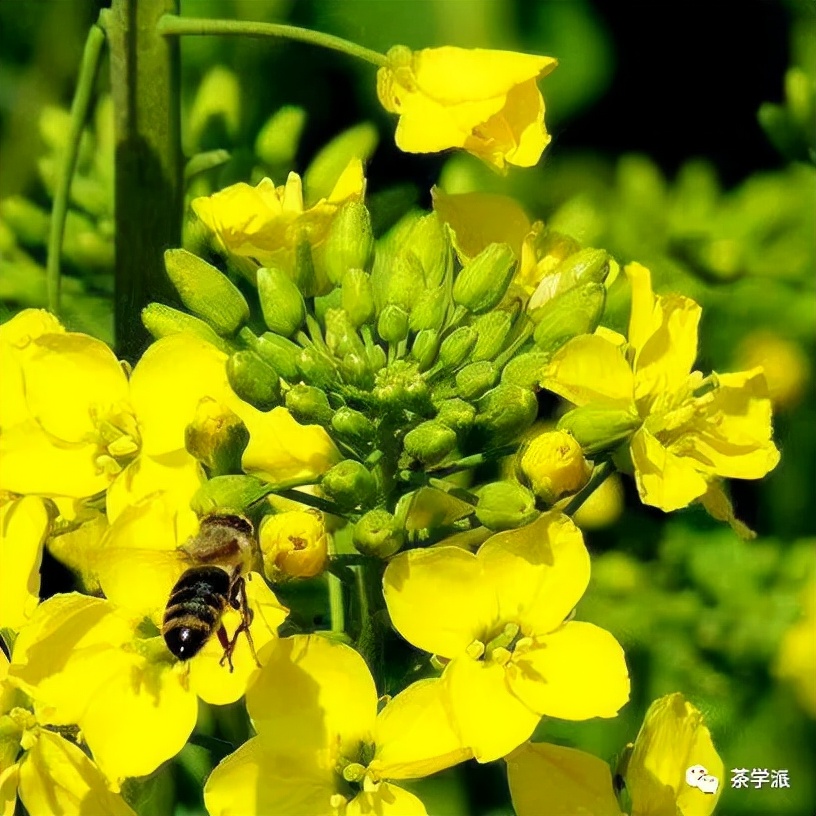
194	610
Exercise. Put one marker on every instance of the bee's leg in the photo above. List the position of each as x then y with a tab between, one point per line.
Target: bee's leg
227	645
238	600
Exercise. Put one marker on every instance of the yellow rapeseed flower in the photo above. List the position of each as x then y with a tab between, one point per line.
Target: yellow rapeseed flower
73	424
561	781
486	102
321	747
266	223
499	618
687	431
796	661
48	773
101	664
293	544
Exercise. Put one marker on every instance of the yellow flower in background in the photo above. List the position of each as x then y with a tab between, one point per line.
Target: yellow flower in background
321	747
684	431
266	223
499	618
24	525
485	102
672	739
786	366
796	661
293	544
561	781
48	773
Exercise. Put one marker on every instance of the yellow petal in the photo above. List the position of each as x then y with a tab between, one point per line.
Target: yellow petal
559	782
281	450
13	404
141	716
255	781
9	781
665	361
215	683
438	600
479	219
673	738
71	379
663	479
644	318
177	474
312	694
386	800
27	326
575	673
490	719
414	734
539	572
34	463
70	647
167	384
58	779
23	527
590	369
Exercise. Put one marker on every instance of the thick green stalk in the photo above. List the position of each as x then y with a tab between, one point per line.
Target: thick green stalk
599	476
149	166
79	114
173	26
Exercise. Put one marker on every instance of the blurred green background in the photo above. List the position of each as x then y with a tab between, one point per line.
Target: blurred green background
683	137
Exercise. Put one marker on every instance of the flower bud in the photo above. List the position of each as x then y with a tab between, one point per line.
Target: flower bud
349	243
206	291
228	494
281	302
293	544
29	222
341	334
425	348
576	311
597	429
457	346
553	465
505	505
457	414
430	442
253	380
484	280
526	370
277	140
505	412
304	274
493	329
216	437
392	325
430	309
354	428
163	321
358	297
356	371
316	368
349	484
430	241
475	378
402	278
280	353
308	405
378	534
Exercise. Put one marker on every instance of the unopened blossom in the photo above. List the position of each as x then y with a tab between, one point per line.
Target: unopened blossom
322	749
485	102
293	544
554	465
499	619
685	431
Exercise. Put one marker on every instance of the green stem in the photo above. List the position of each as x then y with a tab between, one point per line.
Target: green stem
599	476
149	167
318	503
468	462
337	614
79	114
172	25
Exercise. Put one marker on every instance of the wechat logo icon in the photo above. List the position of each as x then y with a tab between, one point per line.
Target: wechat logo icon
698	777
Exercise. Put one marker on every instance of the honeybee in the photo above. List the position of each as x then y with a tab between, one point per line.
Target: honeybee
224	549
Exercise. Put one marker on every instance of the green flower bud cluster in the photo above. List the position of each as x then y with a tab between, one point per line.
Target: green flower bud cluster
412	362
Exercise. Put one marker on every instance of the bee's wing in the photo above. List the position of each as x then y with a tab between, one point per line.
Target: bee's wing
140	580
